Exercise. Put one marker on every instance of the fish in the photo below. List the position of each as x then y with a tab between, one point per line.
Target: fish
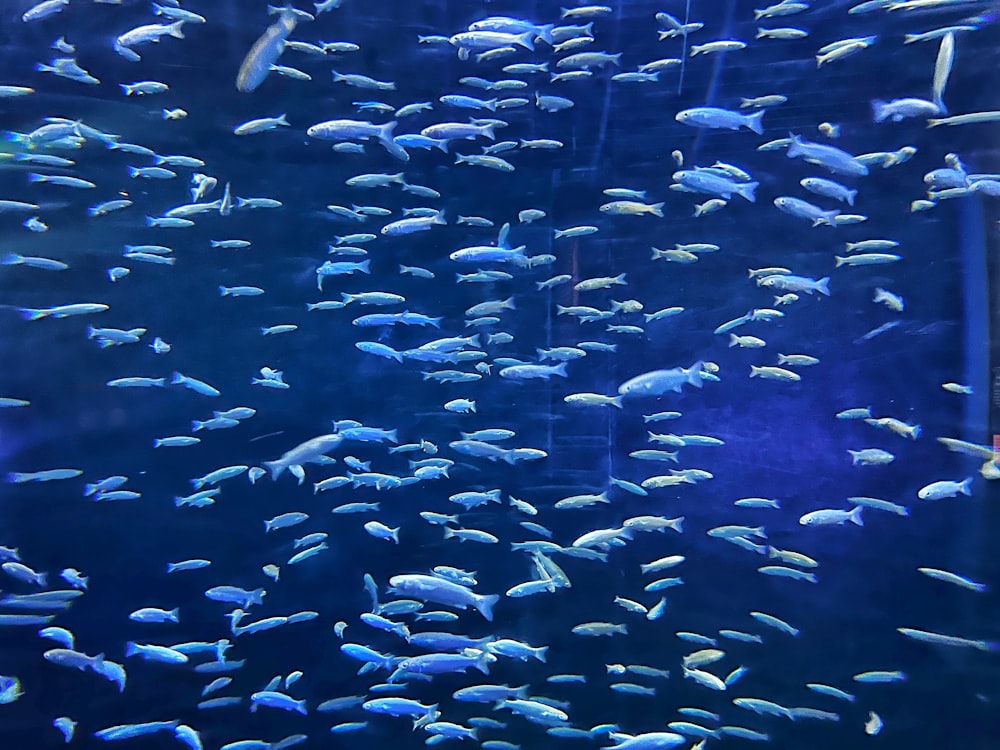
265	52
517	150
715	117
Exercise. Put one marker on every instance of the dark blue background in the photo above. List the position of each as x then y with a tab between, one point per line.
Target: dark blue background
781	439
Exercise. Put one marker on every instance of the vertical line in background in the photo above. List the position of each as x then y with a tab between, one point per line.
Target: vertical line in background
606	105
684	49
609	255
975	292
713	82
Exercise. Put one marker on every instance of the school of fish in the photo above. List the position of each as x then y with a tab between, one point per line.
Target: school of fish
436	450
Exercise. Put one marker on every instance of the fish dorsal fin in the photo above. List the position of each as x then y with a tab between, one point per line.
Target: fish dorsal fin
502	236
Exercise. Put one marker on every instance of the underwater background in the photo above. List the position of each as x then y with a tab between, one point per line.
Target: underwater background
775	438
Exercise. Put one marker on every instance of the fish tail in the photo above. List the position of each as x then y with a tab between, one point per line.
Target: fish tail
526	40
694	374
756	122
746	190
855	516
275	467
385	133
795	147
485	603
879	110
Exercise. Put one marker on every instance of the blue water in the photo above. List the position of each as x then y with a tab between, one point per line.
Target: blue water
782	439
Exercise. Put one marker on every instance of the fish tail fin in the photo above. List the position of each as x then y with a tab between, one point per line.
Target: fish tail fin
756	122
32	314
879	110
965	486
526	40
485	603
795	147
130	648
545	33
829	218
275	467
177	30
823	286
746	190
855	516
657	209
694	374
385	133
